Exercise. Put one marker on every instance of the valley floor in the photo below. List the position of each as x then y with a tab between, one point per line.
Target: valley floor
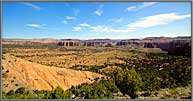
94	72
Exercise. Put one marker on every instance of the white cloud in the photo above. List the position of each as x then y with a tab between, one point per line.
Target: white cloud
36	25
145	4
76	29
70	18
84	25
65	22
38	8
99	28
99	11
131	8
156	20
117	20
105	29
146	22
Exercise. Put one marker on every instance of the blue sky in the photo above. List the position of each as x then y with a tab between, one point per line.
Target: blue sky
92	20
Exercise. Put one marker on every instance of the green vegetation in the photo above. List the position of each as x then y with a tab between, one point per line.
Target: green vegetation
20	93
141	73
128	81
98	90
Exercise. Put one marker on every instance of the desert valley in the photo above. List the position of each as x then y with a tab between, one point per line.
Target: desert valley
96	50
160	67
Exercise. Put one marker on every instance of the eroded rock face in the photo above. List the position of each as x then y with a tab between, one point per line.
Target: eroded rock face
174	46
40	77
150	45
178	47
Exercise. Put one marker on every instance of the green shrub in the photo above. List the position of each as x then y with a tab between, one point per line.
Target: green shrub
100	89
128	81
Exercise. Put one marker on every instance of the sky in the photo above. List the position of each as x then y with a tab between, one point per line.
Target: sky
95	20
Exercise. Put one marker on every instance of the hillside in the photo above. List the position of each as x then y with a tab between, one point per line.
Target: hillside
18	72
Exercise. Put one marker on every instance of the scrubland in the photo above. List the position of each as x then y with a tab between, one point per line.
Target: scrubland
93	72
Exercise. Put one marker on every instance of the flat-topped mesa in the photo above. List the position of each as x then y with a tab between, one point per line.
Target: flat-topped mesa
99	42
69	42
129	42
95	42
149	42
177	45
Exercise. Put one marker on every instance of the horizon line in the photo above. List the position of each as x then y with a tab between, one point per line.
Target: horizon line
92	38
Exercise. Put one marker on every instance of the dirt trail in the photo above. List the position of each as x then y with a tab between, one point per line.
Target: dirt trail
40	77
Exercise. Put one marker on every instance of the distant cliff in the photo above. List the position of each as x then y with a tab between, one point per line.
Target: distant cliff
173	45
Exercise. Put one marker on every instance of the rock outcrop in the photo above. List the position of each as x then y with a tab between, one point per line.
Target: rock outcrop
20	72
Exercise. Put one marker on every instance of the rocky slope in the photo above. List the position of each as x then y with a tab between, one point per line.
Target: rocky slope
17	72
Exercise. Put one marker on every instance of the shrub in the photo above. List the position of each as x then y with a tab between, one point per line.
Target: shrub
128	81
4	95
11	92
151	80
20	90
58	93
97	90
